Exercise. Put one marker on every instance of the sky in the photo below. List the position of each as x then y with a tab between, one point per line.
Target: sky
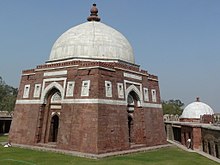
177	40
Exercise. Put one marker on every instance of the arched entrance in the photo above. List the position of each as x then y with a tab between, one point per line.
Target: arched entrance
136	118
54	125
48	127
132	109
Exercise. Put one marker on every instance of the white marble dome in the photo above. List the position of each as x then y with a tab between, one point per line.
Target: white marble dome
94	41
196	109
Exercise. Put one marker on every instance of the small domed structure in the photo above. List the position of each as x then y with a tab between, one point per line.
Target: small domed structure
195	110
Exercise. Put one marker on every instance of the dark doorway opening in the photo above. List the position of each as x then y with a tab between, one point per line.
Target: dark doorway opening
216	151
54	129
177	134
130	128
209	148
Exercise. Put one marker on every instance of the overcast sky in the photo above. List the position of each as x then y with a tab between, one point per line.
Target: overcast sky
177	40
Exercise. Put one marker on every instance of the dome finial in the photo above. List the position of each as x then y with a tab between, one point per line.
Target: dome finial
94	14
197	99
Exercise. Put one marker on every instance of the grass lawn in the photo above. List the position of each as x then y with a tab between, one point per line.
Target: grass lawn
164	156
3	138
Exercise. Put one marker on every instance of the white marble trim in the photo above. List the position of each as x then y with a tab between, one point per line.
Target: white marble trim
95	67
28	74
94	101
55	73
153	79
151	105
90	101
133	76
29	102
131	71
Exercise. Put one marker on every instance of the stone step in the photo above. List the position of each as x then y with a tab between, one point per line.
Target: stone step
48	145
133	145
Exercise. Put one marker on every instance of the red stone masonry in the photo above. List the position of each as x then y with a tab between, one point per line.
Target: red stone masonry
88	127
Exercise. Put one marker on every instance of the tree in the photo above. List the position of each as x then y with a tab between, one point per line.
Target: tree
8	96
172	107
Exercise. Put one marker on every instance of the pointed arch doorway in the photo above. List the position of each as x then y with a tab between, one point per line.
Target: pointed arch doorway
54	125
131	99
49	117
136	127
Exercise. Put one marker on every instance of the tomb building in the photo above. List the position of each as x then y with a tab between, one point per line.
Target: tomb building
90	96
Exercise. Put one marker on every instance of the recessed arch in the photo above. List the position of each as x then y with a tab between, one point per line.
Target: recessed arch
54	125
55	113
136	92
209	137
133	98
50	113
51	86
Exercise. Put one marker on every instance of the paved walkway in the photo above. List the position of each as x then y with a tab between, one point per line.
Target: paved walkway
197	151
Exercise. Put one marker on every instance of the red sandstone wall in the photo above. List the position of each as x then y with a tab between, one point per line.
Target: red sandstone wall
112	128
23	127
78	128
139	127
155	129
197	143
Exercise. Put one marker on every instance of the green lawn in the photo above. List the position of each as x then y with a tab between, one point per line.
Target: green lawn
3	138
164	156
